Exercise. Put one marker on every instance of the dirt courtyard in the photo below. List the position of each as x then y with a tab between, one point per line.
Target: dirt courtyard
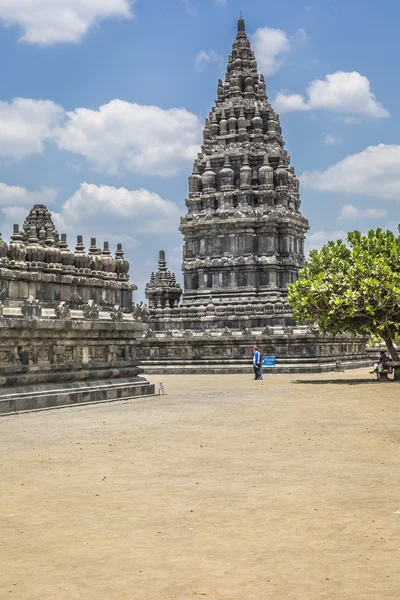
224	489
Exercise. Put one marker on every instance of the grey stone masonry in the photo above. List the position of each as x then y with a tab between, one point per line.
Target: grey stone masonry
243	231
163	290
38	263
68	328
243	244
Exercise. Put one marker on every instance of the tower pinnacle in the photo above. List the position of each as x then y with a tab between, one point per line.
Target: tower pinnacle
241	26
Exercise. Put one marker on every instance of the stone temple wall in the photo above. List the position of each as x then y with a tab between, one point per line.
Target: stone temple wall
65	357
297	349
68	327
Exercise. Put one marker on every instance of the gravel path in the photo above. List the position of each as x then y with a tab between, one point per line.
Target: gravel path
224	489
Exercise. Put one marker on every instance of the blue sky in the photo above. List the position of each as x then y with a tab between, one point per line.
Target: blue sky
102	104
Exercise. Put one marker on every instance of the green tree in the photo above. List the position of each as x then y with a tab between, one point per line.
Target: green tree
353	287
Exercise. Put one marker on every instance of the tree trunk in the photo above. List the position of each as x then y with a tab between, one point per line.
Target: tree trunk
391	349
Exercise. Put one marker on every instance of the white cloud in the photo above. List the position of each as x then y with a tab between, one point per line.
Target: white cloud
52	21
131	137
330	140
340	91
103	207
373	172
351	212
26	124
320	238
189	7
290	102
13	195
270	47
203	58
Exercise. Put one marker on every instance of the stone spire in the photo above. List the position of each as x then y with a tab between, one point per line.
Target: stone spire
40	218
243	233
163	291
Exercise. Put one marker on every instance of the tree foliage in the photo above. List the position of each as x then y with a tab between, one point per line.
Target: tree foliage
353	287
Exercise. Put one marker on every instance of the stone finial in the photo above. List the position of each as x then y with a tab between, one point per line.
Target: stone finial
93	246
17	248
162	263
214	127
106	249
81	259
220	90
195	181
49	241
223	123
79	244
266	174
34	251
208	177
232	122
257	121
245	173
226	174
109	263
241	27
53	253
121	264
42	236
242	122
67	257
281	174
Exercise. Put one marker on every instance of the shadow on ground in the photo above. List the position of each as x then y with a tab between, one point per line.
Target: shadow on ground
341	381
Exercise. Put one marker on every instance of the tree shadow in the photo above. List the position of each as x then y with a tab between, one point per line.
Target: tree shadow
342	381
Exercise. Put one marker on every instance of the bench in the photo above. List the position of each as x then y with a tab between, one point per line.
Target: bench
391	366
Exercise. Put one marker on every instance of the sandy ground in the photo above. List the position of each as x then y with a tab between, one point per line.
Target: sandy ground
224	489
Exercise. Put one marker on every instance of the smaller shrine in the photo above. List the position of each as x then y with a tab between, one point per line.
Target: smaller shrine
38	263
69	330
163	290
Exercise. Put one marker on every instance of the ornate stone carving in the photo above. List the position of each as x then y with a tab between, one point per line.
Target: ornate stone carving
109	263
141	312
91	310
43	354
149	334
67	257
31	308
81	260
117	313
122	265
39	221
62	311
76	300
34	251
163	290
98	353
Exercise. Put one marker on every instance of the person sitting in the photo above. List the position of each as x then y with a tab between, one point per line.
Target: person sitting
380	368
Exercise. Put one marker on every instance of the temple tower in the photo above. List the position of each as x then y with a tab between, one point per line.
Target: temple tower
243	231
163	290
